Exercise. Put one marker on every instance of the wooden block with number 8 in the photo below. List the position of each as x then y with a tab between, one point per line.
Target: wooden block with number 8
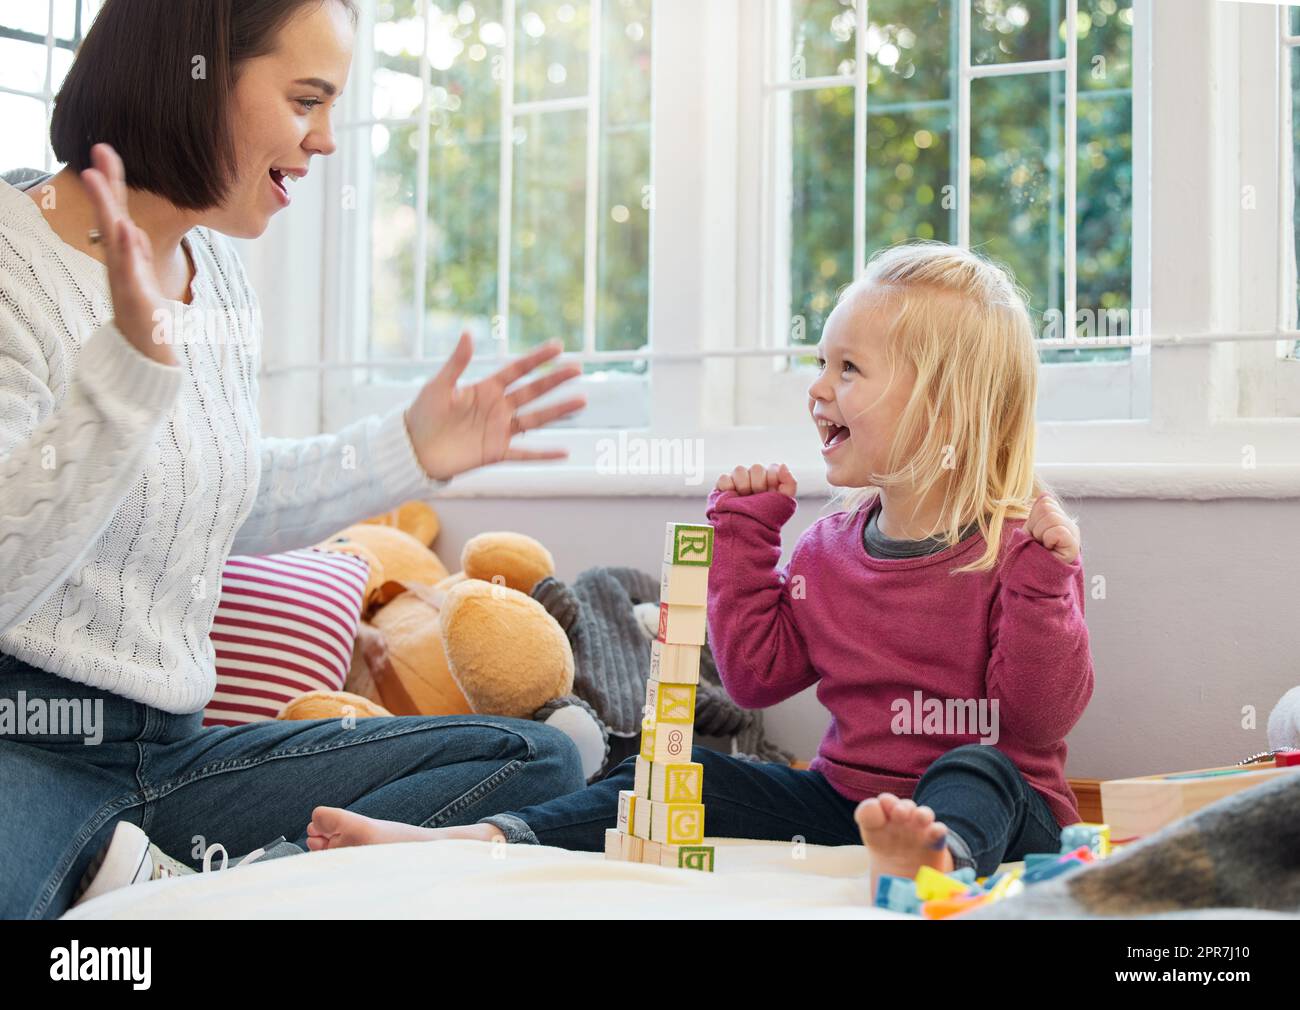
667	743
681	782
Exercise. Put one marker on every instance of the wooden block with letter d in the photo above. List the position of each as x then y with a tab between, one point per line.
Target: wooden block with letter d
685	857
667	743
670	782
674	664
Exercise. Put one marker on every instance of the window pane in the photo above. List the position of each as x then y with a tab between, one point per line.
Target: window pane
22	141
1012	31
1105	219
1295	20
552	43
1017	143
22	65
1105	45
392	236
548	229
65	20
819	34
910	50
464	171
623	259
1295	162
910	189
821	227
25	16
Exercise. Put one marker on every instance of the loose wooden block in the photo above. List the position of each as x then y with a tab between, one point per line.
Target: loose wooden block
674	664
681	625
669	703
681	782
684	584
667	743
626	810
688	544
613	843
1140	806
676	823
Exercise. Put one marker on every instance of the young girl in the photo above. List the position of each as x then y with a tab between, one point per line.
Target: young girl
940	614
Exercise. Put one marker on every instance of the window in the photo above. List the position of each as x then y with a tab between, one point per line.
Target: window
1290	28
997	124
498	153
37	42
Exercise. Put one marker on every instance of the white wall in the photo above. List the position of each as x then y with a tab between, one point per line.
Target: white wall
1201	615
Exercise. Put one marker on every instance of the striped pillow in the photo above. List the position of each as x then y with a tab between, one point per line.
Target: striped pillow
285	625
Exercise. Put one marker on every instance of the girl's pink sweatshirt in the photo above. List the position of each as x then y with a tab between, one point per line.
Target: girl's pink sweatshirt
909	660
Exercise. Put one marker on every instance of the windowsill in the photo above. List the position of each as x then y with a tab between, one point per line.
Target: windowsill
1187	481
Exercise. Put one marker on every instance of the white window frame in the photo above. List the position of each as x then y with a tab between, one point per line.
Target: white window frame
349	388
1193	98
47	95
1074	391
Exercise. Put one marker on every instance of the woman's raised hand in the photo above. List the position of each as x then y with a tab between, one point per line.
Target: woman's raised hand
456	428
139	308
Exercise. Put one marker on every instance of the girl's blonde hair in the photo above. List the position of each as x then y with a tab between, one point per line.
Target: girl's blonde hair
962	322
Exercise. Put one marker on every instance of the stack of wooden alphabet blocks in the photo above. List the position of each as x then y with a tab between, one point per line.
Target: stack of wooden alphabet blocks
661	819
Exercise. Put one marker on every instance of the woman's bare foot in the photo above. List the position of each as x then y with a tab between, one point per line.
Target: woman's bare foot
901	837
334	828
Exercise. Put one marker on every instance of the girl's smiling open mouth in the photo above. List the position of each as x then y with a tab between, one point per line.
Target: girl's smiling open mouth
832	434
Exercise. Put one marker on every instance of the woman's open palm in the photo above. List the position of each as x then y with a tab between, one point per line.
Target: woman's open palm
139	307
457	428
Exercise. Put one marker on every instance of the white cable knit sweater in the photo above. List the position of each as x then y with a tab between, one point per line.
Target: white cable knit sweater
125	484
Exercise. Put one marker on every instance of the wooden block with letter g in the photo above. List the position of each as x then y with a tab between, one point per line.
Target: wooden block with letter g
676	823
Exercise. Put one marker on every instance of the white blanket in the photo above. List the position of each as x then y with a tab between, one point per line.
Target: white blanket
462	879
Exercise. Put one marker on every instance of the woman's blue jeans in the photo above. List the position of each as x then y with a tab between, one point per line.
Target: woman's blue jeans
189	787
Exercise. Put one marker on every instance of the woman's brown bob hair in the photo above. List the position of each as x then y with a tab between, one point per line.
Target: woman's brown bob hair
154	78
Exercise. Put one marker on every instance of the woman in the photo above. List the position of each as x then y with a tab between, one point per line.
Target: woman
131	465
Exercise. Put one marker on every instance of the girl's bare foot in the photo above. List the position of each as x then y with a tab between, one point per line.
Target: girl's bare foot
901	837
334	828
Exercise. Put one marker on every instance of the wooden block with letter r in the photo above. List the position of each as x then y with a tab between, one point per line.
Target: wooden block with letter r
689	544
